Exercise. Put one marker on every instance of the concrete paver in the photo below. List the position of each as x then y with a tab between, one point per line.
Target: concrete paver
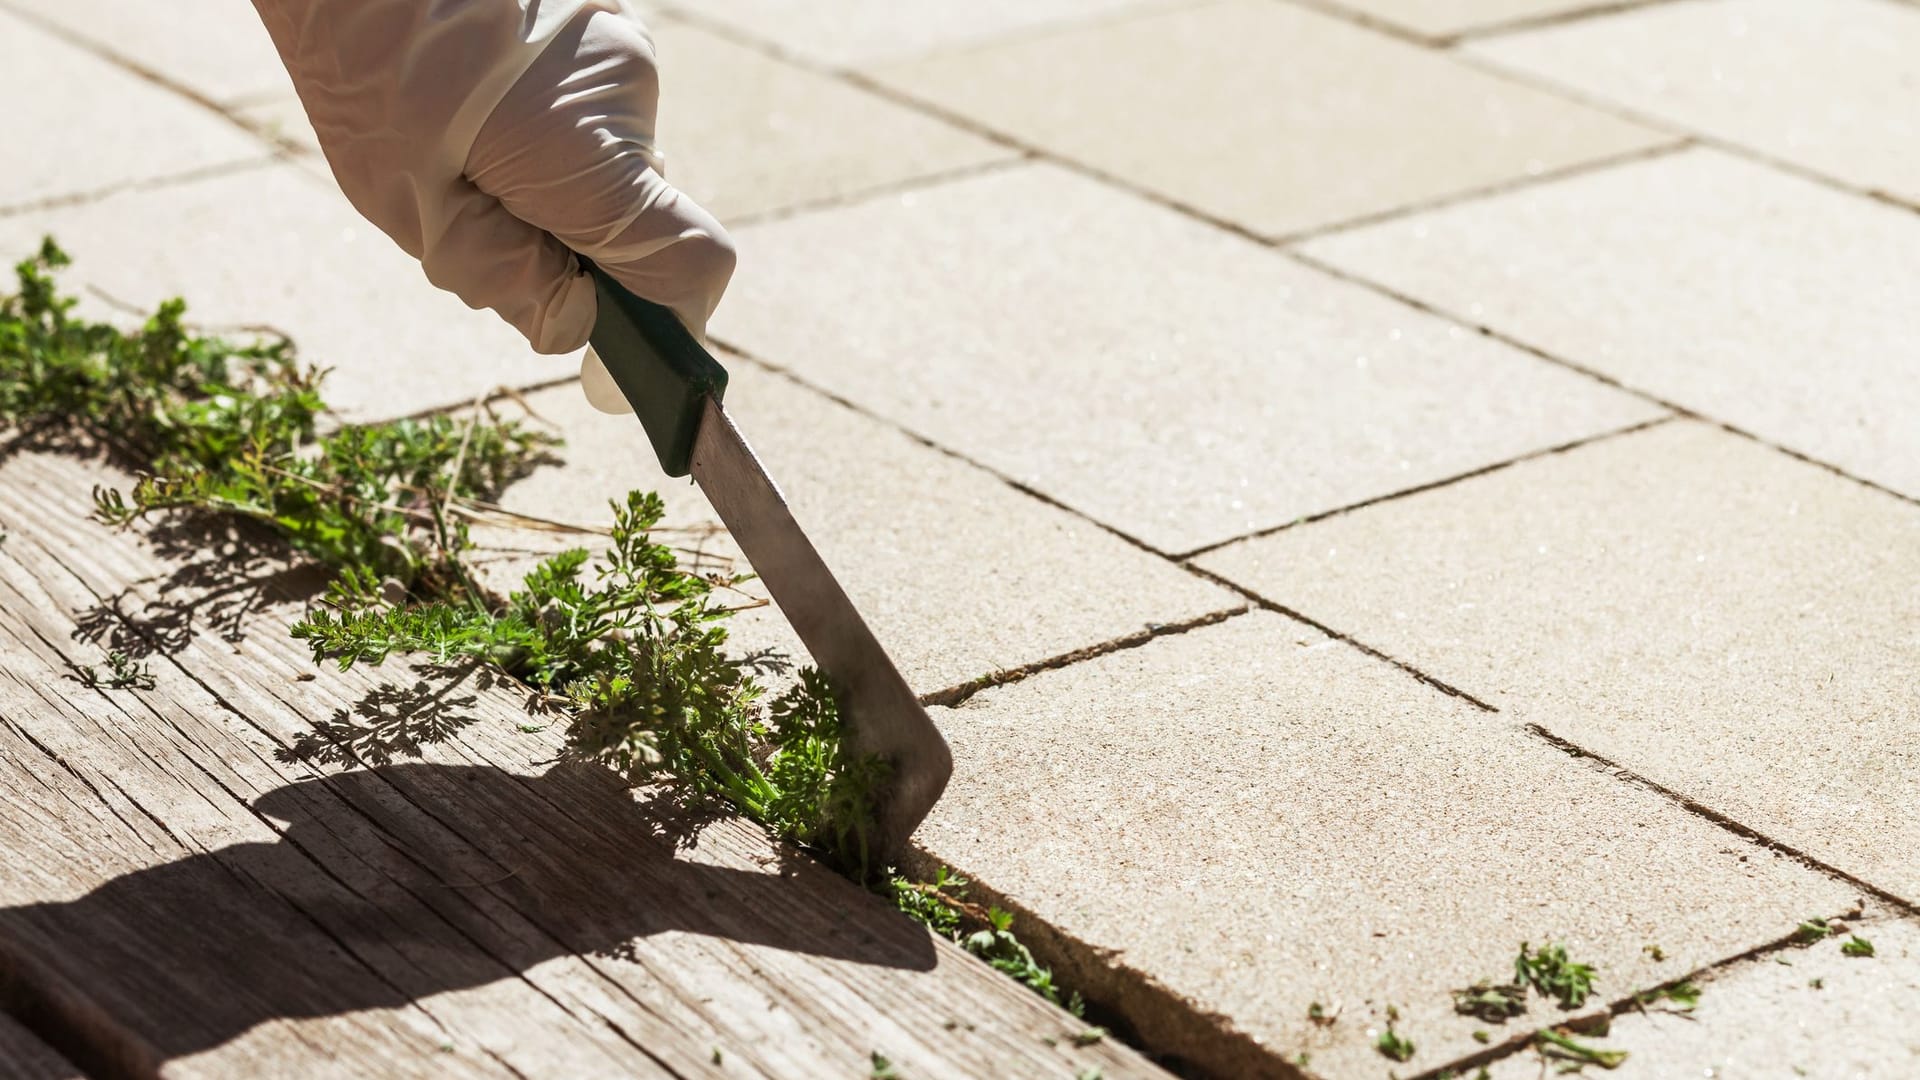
1014	317
1271	116
1253	818
1728	621
845	32
109	127
1758	298
746	134
217	48
284	117
1443	18
959	574
1821	1014
1826	84
278	246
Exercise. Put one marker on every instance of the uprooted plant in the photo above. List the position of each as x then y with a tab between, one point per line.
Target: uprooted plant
629	646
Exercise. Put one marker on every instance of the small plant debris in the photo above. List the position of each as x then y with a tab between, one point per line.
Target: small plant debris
1394	1045
1682	996
1321	1016
1091	1072
1090	1036
1812	930
1817	984
882	1068
1654	952
123	673
1492	1002
1856	946
1554	975
941	905
1482	1036
1554	1044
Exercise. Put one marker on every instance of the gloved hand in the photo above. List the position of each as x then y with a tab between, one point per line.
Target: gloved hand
489	137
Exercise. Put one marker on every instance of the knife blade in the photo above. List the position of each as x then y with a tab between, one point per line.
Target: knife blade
676	387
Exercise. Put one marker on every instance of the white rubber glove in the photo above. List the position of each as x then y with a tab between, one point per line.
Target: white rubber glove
489	137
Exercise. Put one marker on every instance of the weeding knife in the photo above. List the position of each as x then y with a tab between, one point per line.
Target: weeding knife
676	386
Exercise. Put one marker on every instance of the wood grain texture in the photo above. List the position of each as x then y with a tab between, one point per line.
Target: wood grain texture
257	867
24	1057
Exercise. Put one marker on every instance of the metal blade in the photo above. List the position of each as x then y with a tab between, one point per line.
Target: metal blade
883	716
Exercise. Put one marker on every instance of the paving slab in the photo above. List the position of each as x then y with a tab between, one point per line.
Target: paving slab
1755	297
959	574
1820	1014
110	128
846	32
1825	84
283	117
1730	622
280	246
216	48
1441	19
1230	824
747	134
1271	116
1008	316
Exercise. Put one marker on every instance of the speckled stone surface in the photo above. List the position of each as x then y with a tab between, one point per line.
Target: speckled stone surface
1267	115
747	134
1017	317
1728	621
1443	18
1250	818
1755	297
279	246
111	128
1827	84
959	574
1821	1015
217	48
844	32
283	117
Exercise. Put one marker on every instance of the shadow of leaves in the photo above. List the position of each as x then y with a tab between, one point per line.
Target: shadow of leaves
388	722
228	570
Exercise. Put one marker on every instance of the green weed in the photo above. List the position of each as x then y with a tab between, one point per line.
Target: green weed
987	932
1394	1045
1812	930
123	673
1553	974
627	648
1554	1044
1491	1002
1683	996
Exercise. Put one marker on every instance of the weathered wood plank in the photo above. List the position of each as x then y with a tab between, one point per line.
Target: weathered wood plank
200	902
25	1057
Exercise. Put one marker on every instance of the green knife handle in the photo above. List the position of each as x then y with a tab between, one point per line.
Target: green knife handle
658	364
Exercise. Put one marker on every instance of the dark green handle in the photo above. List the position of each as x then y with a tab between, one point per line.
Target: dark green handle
663	371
